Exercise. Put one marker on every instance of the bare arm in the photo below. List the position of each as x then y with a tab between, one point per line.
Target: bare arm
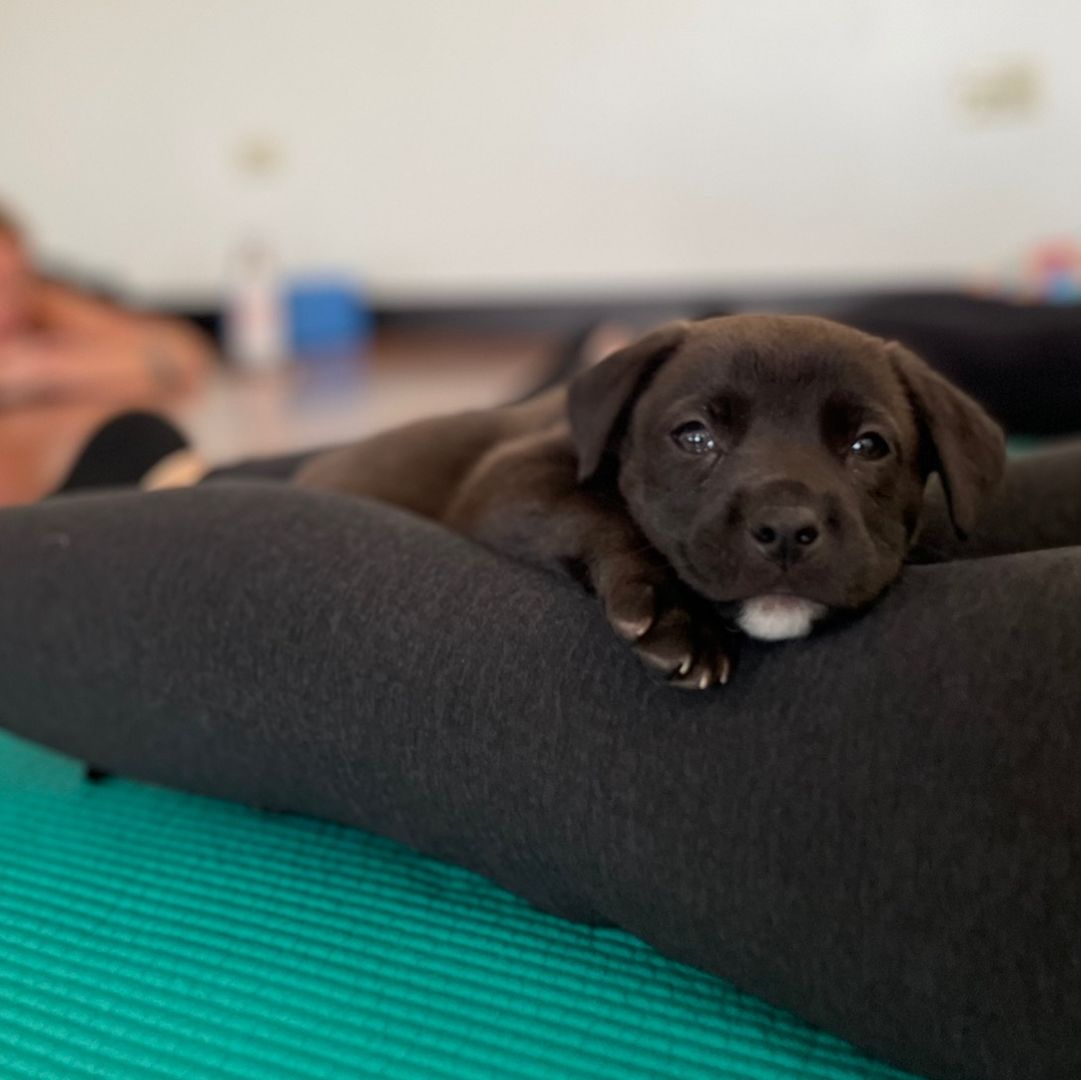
79	348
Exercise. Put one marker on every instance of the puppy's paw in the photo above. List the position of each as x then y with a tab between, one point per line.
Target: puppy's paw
688	647
675	633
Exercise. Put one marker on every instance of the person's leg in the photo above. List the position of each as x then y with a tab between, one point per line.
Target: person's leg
878	828
1038	506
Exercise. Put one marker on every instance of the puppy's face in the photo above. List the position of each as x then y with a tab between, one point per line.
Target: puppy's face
779	463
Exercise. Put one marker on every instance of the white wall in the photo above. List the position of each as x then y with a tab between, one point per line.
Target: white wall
460	147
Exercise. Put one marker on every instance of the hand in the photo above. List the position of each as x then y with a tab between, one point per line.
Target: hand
134	369
78	348
30	372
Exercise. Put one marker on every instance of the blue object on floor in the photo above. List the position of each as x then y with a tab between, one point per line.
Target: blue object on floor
327	316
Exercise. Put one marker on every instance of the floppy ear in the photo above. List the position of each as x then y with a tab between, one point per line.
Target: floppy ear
598	398
958	440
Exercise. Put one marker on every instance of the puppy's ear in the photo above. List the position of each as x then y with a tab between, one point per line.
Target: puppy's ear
958	440
598	398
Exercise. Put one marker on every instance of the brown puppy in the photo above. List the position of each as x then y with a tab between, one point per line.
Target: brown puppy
761	471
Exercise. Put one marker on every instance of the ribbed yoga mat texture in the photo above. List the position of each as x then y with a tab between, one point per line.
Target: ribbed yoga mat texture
146	934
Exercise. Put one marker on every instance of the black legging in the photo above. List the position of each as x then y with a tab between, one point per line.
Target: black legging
879	827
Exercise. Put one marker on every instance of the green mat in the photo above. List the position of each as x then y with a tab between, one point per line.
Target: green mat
148	934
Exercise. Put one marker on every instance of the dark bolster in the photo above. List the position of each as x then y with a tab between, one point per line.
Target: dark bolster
879	828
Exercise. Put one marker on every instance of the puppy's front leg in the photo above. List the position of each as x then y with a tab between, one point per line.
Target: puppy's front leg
673	630
524	499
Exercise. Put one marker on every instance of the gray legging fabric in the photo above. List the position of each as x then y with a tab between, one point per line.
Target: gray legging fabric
878	828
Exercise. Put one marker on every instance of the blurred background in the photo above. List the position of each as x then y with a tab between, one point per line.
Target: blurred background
374	211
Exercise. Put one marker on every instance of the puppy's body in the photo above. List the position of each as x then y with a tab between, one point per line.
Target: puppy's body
765	468
426	466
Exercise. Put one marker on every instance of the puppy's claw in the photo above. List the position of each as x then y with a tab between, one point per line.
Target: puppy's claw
724	670
695	680
711	669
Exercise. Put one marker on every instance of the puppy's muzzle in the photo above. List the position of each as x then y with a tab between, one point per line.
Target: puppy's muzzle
784	523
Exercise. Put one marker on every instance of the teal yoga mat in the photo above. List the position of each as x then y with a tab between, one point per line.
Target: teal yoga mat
147	934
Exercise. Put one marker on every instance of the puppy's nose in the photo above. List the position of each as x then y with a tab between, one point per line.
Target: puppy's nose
785	533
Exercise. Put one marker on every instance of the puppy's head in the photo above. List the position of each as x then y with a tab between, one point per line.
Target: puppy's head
779	462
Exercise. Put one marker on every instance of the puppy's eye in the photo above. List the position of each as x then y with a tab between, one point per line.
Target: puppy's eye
870	446
694	438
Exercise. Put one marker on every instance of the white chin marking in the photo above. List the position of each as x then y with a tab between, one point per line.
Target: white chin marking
778	618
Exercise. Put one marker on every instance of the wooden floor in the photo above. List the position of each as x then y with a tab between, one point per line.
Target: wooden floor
310	403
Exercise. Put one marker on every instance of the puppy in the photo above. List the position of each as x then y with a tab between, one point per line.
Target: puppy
753	471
